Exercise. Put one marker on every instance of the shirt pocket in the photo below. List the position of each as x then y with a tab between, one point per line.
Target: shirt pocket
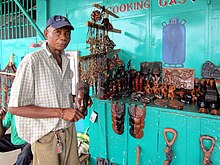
67	92
67	85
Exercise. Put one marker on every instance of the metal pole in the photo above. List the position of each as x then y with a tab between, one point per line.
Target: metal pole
30	19
1	28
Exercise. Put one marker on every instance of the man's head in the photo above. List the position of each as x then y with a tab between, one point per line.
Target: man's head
58	32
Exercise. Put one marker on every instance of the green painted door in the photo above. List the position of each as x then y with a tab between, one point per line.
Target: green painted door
117	144
97	132
148	143
215	35
211	127
169	120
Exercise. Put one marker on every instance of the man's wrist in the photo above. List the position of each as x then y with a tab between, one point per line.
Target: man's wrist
62	113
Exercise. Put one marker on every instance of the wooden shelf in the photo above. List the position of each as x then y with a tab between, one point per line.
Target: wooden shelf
96	54
98	26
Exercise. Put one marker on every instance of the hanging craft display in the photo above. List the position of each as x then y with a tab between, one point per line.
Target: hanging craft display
93	68
7	76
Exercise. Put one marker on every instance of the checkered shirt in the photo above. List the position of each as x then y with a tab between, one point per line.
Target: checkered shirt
40	81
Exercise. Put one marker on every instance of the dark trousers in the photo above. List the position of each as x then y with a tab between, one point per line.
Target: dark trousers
25	156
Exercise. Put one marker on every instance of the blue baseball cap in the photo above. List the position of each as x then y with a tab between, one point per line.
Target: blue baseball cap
58	21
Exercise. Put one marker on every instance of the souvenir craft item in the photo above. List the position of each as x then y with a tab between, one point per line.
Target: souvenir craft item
202	105
169	144
83	100
213	106
211	93
151	70
136	121
118	113
175	104
209	70
179	77
207	152
217	83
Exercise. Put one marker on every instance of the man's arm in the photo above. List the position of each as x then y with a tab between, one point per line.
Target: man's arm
30	111
2	129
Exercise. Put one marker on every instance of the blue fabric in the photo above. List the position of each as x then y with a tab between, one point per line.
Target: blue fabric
59	21
24	157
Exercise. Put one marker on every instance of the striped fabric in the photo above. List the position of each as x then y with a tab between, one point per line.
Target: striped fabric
40	81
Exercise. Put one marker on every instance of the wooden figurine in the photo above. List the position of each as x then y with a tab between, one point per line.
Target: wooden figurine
207	152
164	90
147	88
171	92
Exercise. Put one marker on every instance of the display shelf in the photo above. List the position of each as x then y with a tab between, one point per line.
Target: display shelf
101	27
96	54
188	123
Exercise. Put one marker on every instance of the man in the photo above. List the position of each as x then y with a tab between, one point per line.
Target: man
10	142
42	100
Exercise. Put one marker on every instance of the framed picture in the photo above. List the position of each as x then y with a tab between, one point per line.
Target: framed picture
180	77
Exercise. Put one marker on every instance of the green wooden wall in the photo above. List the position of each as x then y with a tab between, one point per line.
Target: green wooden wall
141	37
121	149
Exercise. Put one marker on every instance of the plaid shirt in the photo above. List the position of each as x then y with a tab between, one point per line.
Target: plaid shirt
40	81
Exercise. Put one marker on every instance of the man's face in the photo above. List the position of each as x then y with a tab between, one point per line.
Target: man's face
58	39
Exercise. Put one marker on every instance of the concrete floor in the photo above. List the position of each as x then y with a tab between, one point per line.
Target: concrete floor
9	158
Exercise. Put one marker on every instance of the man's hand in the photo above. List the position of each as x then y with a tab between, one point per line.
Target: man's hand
72	114
2	112
90	102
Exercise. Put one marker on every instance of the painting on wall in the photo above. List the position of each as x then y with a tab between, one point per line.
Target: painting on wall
174	43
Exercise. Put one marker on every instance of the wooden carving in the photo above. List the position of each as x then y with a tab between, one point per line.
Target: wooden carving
179	77
7	76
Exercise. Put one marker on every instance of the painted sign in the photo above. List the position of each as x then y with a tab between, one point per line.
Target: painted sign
140	5
174	43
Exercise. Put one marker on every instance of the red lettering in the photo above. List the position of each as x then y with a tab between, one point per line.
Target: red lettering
182	2
135	5
122	8
140	4
162	3
129	7
147	4
115	9
172	1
